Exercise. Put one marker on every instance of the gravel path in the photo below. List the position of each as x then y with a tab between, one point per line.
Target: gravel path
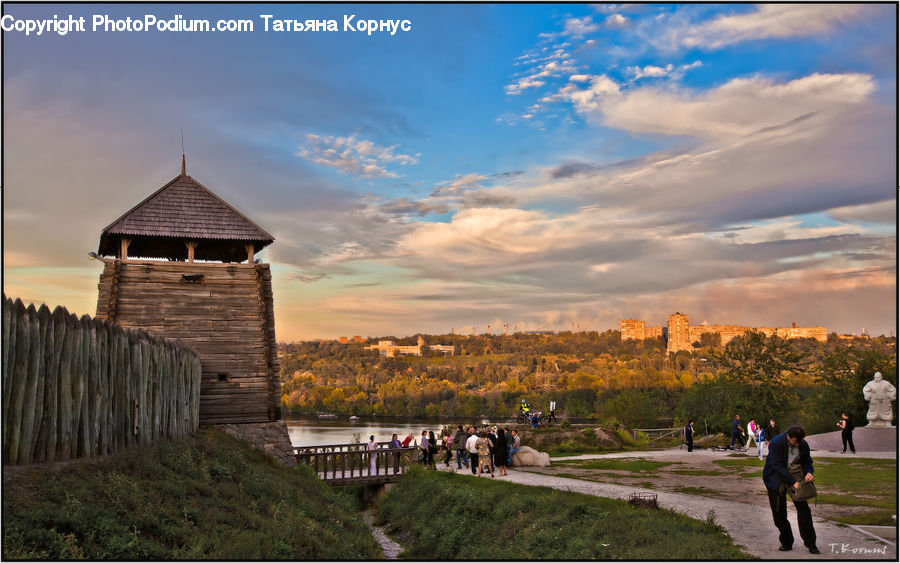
676	454
750	526
389	547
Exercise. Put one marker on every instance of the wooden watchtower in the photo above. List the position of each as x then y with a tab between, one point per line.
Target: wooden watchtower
181	264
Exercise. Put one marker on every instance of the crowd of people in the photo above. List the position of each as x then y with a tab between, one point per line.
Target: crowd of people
488	450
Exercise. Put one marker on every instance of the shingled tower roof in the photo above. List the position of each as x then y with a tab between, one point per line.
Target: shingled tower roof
184	210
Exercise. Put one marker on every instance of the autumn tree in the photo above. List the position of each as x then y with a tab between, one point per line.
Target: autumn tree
840	379
754	379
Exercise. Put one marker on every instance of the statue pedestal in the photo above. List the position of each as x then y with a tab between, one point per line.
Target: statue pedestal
880	424
866	440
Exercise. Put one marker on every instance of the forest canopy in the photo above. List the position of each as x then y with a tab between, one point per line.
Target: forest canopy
594	376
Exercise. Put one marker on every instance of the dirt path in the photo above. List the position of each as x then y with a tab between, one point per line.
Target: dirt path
742	511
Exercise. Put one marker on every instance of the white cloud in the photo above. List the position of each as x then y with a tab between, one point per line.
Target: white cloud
353	156
576	27
523	84
669	70
616	20
739	107
786	228
881	212
650	70
557	64
459	185
771	21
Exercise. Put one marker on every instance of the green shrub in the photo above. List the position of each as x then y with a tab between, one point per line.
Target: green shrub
628	441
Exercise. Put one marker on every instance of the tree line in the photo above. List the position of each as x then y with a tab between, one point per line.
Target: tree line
593	375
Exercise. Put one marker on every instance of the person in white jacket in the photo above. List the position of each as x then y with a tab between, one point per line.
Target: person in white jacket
751	432
472	449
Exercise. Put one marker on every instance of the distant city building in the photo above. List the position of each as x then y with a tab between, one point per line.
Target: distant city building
632	329
358	339
654	332
637	330
343	340
681	335
389	349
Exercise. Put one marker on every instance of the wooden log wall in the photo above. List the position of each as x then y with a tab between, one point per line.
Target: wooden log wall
222	311
85	387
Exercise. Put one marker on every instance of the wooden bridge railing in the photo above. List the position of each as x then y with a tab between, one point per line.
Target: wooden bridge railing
350	464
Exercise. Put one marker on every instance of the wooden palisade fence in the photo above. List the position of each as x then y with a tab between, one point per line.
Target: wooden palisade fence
84	387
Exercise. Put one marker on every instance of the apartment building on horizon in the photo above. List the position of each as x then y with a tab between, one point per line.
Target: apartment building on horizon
638	330
680	335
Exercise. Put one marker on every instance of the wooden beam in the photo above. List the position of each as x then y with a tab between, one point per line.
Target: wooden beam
191	245
251	250
123	248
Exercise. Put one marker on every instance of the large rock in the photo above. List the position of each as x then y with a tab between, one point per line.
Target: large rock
605	439
529	457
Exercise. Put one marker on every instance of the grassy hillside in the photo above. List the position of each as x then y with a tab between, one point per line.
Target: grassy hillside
441	515
205	497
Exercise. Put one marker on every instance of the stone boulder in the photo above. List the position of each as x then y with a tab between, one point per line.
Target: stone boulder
529	457
606	440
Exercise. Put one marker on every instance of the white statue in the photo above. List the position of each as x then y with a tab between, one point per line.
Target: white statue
879	393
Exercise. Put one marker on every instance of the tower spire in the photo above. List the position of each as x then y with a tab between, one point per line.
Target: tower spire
183	168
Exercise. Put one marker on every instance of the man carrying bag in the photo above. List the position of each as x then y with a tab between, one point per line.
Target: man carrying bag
789	468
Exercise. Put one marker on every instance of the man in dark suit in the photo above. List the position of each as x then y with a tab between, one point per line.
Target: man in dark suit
736	430
689	435
783	450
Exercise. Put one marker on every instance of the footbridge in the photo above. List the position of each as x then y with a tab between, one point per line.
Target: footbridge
342	465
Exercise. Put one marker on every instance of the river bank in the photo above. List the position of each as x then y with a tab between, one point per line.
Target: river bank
557	438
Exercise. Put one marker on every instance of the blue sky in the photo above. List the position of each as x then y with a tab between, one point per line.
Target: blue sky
545	166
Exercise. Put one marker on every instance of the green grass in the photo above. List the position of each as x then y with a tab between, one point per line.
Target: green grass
698	472
702	491
856	476
440	515
859	482
205	497
733	463
567	448
632	465
872	518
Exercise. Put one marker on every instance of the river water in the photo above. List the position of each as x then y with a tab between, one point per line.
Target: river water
341	430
